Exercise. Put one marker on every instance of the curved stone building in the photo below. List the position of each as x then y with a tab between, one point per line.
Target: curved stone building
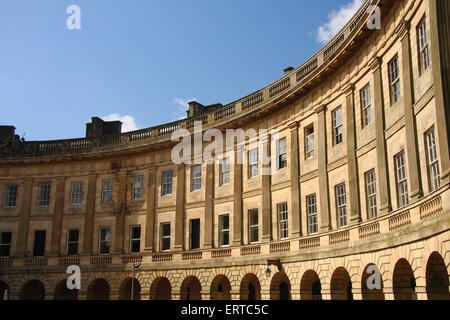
358	190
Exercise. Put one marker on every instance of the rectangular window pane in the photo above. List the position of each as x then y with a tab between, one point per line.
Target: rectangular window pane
433	162
366	113
44	195
135	239
196	178
338	128
72	243
311	205
77	193
105	240
424	52
167	182
165	236
253	226
195	234
39	243
371	194
281	154
138	187
10	196
253	163
309	142
402	182
394	80
341	204
5	244
107	193
225	171
224	230
283	221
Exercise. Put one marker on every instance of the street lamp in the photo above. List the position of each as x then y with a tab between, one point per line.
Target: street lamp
135	266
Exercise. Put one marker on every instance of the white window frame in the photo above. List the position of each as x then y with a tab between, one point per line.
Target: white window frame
138	187
371	194
223	231
253	163
44	195
165	236
281	153
309	142
402	179
105	240
434	175
424	51
311	209
341	204
167	178
366	106
394	80
225	171
196	181
107	190
252	226
283	221
10	200
76	193
338	126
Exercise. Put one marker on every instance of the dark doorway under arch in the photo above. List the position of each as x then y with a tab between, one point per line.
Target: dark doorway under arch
98	290
404	282
32	290
437	278
191	289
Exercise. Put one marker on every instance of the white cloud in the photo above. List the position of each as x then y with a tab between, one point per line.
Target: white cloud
128	122
183	106
337	20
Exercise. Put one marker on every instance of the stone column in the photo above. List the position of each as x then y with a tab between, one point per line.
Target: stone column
352	164
266	190
412	154
150	217
383	179
90	212
209	207
440	64
295	182
57	217
24	220
325	218
121	211
237	195
179	215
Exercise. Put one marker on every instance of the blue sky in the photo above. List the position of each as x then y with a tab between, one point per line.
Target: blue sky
143	60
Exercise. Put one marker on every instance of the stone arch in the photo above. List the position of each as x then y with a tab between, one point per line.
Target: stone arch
310	286
280	287
437	278
403	281
191	289
125	289
341	285
250	288
98	290
32	290
64	293
161	289
374	293
4	290
220	288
